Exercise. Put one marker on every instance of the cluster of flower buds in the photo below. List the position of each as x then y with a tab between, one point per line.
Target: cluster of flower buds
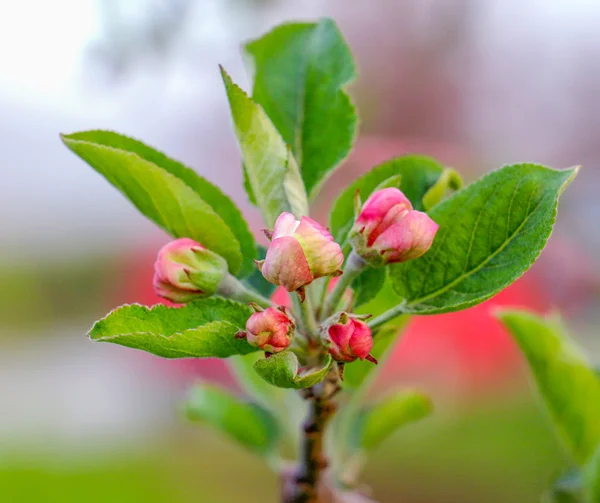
271	329
389	230
300	252
348	338
185	270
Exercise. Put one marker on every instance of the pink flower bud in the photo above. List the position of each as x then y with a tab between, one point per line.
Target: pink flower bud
185	270
348	339
388	230
300	252
270	330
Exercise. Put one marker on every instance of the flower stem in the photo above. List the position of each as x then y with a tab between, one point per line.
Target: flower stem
354	266
307	315
388	315
304	486
233	288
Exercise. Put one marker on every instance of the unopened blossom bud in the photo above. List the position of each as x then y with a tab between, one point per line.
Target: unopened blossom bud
349	338
270	330
388	230
185	270
300	252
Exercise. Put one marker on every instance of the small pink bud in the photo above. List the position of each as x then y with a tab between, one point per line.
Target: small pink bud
185	270
348	339
300	252
270	330
388	230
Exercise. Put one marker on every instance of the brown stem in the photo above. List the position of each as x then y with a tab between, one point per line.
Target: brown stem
304	485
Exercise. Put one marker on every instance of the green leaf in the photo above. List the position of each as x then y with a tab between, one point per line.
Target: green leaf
248	424
160	194
367	284
393	181
300	72
567	383
450	179
204	328
490	233
378	422
248	187
591	477
271	169
417	175
282	370
209	192
257	281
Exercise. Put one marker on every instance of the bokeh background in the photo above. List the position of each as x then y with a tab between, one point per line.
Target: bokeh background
475	83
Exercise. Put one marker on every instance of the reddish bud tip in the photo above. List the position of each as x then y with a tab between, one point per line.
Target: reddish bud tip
372	359
302	294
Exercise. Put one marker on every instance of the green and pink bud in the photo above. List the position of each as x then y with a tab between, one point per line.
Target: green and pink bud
348	338
300	252
185	270
389	230
271	330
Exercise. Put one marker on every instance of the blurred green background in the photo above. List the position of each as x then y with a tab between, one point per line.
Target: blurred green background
474	83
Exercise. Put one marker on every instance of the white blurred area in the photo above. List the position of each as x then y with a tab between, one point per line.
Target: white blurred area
149	69
505	80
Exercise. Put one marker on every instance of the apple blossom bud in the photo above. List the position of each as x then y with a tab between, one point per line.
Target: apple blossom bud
185	270
348	338
300	252
270	330
388	230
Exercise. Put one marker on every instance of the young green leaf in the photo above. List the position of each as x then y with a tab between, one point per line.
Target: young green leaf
285	404
450	180
160	195
300	72
204	328
271	169
282	370
567	383
246	423
417	174
207	191
376	423
490	233
261	391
